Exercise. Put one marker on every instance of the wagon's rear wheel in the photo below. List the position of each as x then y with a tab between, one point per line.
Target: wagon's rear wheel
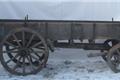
26	50
110	43
113	58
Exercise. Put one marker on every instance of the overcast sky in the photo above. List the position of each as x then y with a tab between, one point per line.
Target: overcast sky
61	10
65	0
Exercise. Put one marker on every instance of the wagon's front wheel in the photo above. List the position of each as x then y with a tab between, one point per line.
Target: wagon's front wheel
26	47
109	43
113	58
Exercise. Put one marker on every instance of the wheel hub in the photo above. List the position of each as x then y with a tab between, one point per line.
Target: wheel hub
24	52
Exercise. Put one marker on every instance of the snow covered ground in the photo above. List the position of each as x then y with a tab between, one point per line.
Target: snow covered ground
69	64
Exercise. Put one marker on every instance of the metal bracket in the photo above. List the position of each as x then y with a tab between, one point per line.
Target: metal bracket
26	20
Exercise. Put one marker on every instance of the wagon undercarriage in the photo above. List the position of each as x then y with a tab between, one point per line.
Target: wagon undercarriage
25	44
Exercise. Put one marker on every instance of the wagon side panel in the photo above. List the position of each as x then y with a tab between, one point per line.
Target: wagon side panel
59	31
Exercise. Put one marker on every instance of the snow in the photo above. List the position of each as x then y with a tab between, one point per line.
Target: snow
69	64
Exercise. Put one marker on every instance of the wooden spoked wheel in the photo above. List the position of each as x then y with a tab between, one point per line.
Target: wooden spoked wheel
110	43
113	58
26	52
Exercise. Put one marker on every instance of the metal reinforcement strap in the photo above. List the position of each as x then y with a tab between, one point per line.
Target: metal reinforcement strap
26	20
81	33
46	30
71	34
94	28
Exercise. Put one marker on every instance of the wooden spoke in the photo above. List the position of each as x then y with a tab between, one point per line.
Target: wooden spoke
36	54
41	48
17	64
31	64
29	42
36	44
10	51
23	65
10	44
32	56
12	58
39	51
15	48
17	40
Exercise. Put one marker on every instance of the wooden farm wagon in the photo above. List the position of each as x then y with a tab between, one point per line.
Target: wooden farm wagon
25	44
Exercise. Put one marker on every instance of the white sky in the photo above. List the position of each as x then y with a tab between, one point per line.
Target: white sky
60	9
64	0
